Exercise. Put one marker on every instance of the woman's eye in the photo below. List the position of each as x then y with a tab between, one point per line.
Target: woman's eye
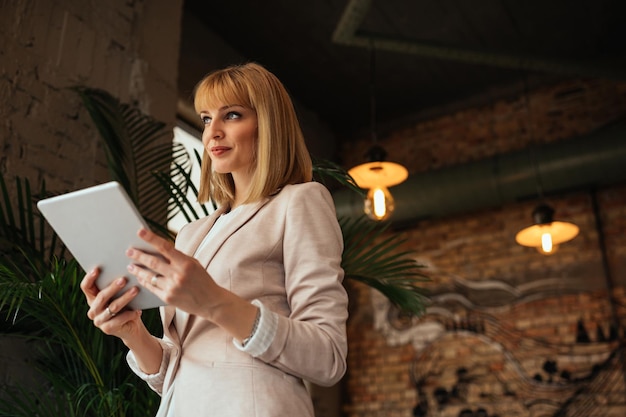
205	120
233	115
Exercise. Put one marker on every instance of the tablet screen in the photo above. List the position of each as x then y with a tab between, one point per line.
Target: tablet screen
97	225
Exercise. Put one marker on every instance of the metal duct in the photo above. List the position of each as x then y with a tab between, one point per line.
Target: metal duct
596	159
347	33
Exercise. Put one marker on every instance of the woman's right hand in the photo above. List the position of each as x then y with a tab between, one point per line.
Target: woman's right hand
113	318
111	315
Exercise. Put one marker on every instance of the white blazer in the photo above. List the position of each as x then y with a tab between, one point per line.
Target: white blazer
286	252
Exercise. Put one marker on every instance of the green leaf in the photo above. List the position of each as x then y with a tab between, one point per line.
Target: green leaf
329	173
135	150
376	258
40	300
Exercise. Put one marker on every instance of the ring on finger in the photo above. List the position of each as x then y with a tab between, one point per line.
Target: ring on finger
154	280
110	313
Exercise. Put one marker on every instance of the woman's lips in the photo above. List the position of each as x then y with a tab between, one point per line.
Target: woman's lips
219	150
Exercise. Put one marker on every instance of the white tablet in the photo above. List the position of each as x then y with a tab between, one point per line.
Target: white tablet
98	224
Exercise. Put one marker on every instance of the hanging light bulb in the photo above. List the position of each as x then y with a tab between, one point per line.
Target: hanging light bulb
546	243
379	203
377	174
546	234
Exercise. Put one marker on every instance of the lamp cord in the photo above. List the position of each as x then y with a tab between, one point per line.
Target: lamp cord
373	92
533	147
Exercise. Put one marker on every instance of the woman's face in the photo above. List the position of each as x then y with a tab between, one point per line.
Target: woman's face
229	137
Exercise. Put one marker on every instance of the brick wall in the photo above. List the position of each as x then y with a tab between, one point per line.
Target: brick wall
508	331
546	115
127	47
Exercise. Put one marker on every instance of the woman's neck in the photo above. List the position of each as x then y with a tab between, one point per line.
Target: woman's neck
242	188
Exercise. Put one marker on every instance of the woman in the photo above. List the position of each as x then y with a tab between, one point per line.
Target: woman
254	292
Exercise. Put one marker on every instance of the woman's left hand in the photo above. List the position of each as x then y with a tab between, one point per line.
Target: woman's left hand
177	279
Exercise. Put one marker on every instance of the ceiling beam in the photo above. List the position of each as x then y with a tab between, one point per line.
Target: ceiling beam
347	33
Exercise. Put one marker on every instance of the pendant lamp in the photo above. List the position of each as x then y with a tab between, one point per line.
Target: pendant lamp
377	175
546	234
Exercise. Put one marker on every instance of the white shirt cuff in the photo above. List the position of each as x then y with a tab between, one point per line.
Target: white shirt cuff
262	339
154	380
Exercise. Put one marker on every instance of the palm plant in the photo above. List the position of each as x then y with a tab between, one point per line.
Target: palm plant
40	300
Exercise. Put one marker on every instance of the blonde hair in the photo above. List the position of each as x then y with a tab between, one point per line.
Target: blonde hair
281	155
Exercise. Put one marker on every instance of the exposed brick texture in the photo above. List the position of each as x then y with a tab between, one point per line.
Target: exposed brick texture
491	353
126	47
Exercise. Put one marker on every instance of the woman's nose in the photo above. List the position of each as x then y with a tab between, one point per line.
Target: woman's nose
213	131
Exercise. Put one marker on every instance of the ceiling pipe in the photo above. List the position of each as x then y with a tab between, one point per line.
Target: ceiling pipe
593	160
346	33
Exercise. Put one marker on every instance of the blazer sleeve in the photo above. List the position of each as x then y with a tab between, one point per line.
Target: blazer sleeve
311	343
154	381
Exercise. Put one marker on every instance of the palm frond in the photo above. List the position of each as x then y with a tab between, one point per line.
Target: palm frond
24	231
376	259
326	172
178	197
73	353
40	300
135	150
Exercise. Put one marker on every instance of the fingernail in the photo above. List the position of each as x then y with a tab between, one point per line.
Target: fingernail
130	252
120	282
131	268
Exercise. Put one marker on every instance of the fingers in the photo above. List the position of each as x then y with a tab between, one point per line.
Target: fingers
88	285
110	315
106	311
102	300
120	303
151	237
149	267
164	248
149	279
114	324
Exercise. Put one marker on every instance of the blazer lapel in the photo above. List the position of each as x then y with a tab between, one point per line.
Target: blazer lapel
167	315
195	236
241	217
204	256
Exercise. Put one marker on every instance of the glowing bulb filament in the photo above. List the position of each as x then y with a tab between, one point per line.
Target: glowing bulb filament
546	242
380	208
379	203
